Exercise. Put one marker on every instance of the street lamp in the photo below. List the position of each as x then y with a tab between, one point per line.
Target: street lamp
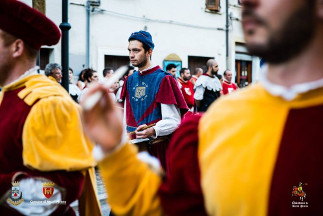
65	27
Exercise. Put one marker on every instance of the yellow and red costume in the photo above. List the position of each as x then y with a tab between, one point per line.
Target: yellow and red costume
253	148
42	136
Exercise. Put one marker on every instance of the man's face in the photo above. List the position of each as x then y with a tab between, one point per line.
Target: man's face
215	68
277	30
173	72
186	75
137	55
57	74
5	60
228	76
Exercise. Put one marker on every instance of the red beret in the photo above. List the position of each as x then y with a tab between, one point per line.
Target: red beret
28	24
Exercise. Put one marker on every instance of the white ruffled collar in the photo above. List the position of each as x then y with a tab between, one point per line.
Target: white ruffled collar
211	83
287	93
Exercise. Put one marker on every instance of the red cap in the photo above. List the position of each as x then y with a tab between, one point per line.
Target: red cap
28	24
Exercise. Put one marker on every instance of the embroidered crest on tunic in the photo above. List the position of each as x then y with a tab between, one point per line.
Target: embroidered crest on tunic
140	92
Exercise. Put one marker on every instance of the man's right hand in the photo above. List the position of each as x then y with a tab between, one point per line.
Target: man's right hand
149	132
103	123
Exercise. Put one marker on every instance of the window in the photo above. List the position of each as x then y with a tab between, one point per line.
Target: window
213	5
44	57
243	69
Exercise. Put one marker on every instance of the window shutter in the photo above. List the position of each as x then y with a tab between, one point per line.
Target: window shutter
213	5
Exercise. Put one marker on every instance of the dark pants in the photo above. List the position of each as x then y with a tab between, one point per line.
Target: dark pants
158	149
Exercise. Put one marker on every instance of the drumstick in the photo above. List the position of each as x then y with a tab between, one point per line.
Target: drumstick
93	99
144	128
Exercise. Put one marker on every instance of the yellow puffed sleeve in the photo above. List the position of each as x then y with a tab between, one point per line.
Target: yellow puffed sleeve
53	136
131	186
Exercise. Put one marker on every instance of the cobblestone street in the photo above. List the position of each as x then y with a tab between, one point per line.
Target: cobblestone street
105	209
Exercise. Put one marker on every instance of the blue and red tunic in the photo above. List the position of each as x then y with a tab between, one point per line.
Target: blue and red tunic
144	92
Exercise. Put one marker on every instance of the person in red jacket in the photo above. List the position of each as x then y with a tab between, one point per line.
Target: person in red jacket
186	87
227	85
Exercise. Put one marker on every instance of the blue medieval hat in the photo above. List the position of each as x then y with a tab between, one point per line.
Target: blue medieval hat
144	37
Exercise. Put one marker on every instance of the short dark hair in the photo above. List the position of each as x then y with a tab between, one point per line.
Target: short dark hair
218	76
170	66
88	72
225	72
106	70
183	70
146	47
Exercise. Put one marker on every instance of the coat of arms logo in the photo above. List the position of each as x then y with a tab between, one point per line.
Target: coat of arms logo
48	189
16	194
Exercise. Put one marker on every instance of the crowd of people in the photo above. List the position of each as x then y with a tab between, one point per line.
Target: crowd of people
186	82
244	156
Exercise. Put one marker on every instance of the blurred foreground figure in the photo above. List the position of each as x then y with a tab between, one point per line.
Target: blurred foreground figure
255	146
44	155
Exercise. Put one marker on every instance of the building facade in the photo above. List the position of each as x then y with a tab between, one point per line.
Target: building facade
185	32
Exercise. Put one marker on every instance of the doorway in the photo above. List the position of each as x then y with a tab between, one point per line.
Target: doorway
244	76
115	62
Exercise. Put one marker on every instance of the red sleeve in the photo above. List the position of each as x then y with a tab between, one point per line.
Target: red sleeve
180	193
169	93
124	90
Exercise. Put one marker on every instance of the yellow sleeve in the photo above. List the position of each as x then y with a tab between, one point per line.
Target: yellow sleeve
131	186
53	136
